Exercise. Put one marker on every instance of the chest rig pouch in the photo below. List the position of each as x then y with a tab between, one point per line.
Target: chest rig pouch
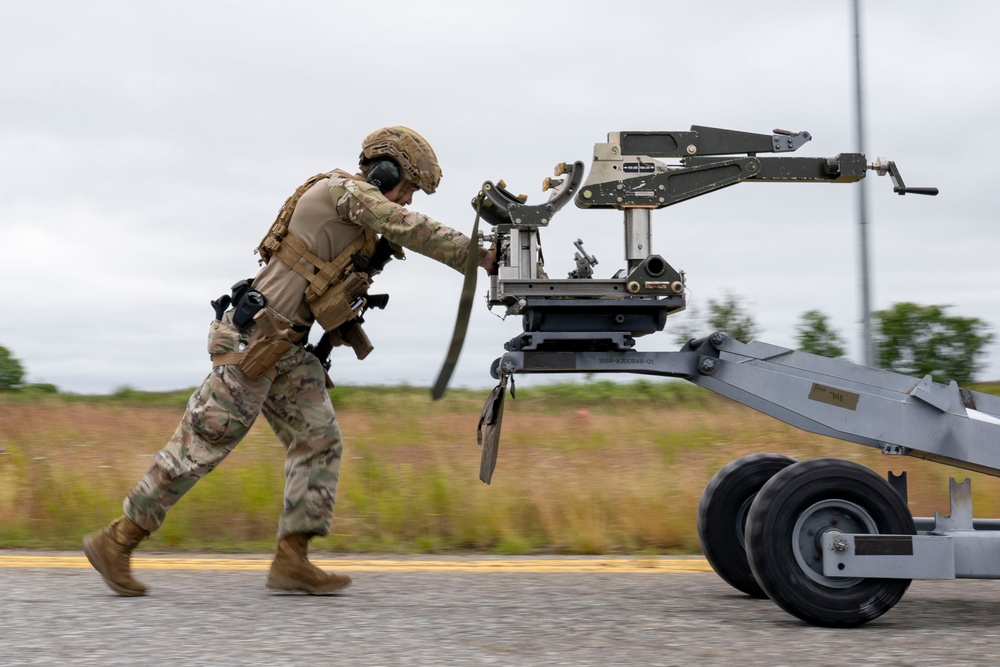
336	290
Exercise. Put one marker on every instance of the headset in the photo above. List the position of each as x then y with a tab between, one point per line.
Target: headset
385	174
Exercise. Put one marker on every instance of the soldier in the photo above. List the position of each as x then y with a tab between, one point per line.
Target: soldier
331	238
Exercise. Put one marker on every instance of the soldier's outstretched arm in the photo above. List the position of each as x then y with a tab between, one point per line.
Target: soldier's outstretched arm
364	205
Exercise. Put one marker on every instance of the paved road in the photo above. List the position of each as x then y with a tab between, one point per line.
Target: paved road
464	612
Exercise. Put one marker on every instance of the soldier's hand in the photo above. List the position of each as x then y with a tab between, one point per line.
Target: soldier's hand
489	261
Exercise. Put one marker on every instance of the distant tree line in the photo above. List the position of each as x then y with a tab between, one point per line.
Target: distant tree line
12	375
909	338
11	371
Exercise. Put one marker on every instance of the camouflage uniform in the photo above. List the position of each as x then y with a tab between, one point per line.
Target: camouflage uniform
330	215
221	411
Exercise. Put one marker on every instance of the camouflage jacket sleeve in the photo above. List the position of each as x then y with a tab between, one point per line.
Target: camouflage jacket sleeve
362	204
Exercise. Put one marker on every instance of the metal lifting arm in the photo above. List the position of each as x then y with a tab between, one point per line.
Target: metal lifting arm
585	324
582	311
627	174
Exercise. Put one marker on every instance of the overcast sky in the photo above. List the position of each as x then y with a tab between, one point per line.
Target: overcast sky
145	149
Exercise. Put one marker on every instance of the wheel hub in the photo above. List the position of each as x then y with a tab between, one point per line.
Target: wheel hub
807	535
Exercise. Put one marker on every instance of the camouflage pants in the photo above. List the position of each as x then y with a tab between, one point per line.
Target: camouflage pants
220	413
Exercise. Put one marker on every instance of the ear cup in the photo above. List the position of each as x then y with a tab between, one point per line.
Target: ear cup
385	175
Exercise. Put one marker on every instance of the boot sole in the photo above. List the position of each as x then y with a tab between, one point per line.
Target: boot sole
287	585
98	564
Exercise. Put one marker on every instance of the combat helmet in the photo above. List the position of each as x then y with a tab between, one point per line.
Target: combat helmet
410	150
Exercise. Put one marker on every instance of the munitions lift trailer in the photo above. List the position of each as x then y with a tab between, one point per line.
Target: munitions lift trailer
828	540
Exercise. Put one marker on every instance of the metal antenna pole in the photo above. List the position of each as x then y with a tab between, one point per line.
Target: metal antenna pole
868	344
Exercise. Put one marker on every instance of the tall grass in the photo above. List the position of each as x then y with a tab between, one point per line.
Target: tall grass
587	468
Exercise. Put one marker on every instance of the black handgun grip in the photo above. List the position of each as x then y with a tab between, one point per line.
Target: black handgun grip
220	305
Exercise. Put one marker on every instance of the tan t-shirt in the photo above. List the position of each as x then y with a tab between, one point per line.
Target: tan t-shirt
330	215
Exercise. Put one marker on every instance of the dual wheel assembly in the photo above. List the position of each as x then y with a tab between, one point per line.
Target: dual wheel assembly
761	521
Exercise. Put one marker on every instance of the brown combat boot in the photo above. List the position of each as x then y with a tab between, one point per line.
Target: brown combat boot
109	550
292	571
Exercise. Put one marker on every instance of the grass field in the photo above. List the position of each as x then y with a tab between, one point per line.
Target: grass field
587	468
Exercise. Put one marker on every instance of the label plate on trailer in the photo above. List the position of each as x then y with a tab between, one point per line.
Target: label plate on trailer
840	398
883	545
888	556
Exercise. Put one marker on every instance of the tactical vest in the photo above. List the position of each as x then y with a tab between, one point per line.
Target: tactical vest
336	290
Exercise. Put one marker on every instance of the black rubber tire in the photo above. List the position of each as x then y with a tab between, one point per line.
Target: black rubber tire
820	493
722	513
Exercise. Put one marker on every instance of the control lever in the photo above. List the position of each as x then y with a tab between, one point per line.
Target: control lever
883	167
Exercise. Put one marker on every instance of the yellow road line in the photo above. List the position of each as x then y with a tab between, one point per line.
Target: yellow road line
568	565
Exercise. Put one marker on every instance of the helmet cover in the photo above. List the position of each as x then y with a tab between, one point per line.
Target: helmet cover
410	150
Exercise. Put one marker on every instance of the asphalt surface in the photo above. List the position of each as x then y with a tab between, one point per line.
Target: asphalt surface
462	612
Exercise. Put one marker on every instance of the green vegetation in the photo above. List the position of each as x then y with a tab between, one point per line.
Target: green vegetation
729	314
925	340
589	467
11	370
814	335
